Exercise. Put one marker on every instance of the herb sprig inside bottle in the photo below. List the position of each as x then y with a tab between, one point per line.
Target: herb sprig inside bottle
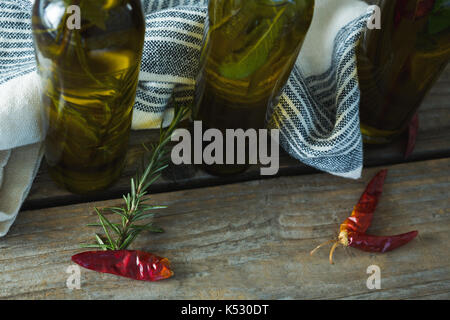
119	236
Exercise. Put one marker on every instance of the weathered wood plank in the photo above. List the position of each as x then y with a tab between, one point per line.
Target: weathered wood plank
252	240
433	142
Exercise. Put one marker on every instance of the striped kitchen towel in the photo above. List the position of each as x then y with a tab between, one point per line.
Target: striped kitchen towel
317	114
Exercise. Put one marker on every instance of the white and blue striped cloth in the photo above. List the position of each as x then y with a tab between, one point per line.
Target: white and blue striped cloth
318	116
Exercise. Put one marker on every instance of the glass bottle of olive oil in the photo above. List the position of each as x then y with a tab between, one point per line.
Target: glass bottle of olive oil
400	62
88	54
250	49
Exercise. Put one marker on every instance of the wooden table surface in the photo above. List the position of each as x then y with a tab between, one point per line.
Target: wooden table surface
247	238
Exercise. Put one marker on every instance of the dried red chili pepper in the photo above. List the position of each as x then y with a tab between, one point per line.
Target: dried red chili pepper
136	265
353	230
362	214
412	136
370	243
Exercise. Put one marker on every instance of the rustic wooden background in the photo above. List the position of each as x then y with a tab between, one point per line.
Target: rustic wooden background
247	238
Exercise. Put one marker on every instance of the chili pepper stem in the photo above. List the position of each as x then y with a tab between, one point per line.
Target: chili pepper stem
321	245
333	248
342	240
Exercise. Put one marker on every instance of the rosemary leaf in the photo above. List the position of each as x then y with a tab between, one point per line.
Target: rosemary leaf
133	234
93	225
107	223
99	240
105	228
148	208
120	212
143	217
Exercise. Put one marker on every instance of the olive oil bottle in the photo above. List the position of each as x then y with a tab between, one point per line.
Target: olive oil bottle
89	74
400	62
250	49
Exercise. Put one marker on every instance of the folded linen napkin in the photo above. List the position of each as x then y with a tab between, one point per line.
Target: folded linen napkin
317	115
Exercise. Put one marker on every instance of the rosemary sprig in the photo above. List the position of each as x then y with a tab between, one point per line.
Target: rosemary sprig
119	236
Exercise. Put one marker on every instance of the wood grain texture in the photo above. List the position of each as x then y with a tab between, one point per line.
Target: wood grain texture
433	142
252	240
